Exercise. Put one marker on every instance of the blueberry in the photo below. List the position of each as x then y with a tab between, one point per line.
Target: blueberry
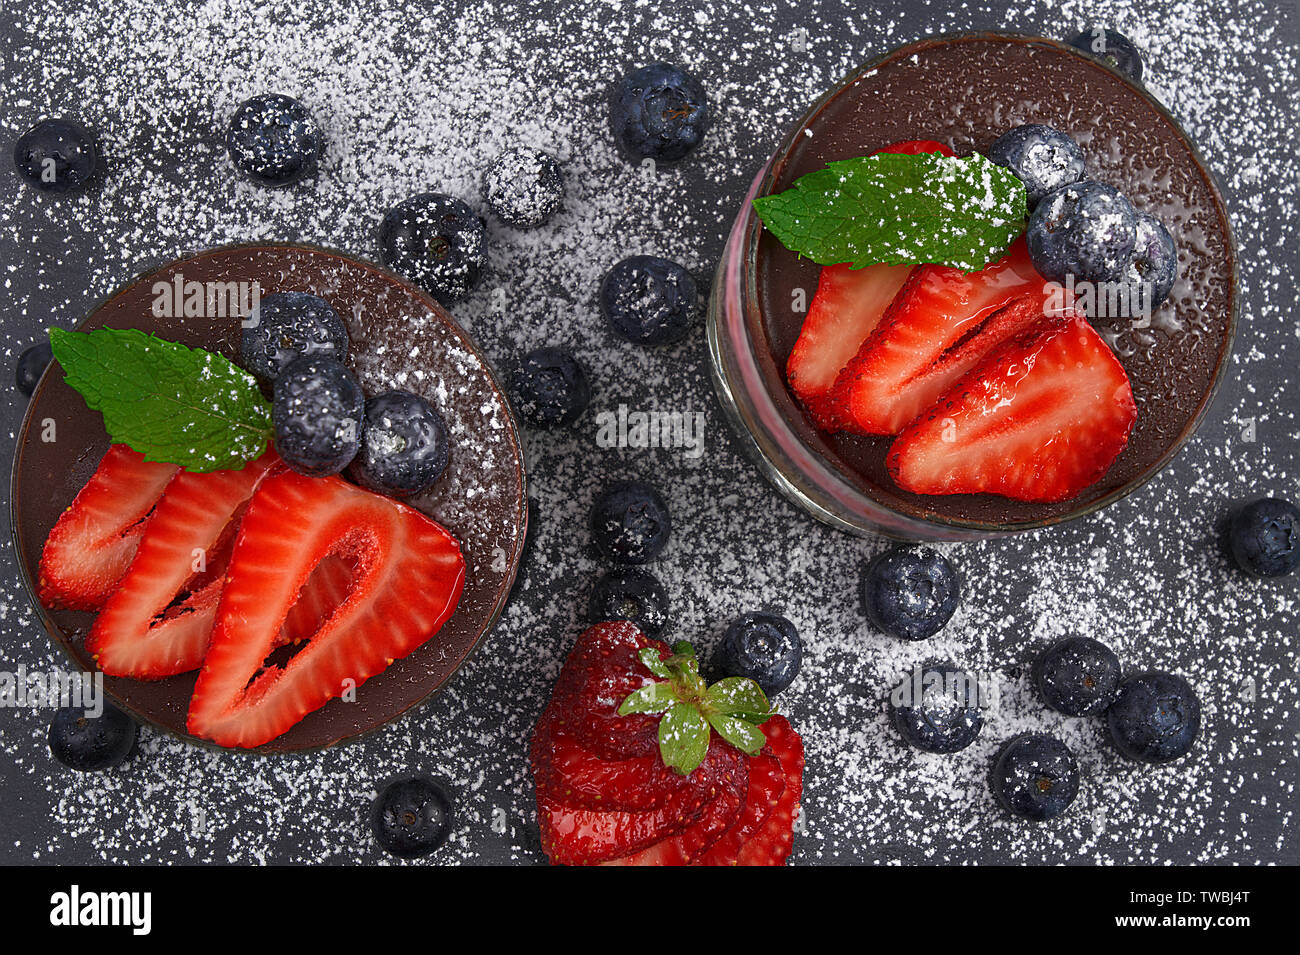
1085	229
404	445
274	140
31	365
909	593
1077	676
288	325
437	242
936	709
1035	776
630	594
649	300
1111	47
316	411
524	186
411	817
1152	267
87	743
1264	537
1040	156
1155	717
630	523
56	155
550	387
764	647
659	112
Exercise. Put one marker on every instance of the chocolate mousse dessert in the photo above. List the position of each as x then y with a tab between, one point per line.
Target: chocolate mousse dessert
1017	102
451	518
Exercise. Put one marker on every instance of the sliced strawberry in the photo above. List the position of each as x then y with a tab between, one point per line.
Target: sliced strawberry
936	324
766	783
1039	420
567	773
144	630
848	305
409	576
93	541
774	840
325	589
696	840
572	836
601	671
846	309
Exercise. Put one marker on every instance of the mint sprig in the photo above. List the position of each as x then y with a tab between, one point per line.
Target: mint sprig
900	209
169	402
733	707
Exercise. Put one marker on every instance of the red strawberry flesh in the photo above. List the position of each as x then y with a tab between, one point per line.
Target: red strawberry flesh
92	543
409	576
902	366
143	630
1040	419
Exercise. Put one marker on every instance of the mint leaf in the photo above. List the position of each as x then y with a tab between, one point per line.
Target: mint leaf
169	402
683	738
740	733
653	698
900	209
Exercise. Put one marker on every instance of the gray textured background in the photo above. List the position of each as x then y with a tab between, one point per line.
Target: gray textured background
419	96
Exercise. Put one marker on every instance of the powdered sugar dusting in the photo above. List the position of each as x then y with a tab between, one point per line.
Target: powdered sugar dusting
412	101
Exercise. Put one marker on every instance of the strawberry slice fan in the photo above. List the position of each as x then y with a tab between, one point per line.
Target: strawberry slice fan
404	578
605	796
94	540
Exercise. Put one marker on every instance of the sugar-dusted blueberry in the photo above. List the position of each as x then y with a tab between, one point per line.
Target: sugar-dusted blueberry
87	742
1155	717
650	300
550	387
316	411
1152	267
910	593
765	647
524	186
659	112
404	445
936	708
56	155
630	523
1077	676
1085	229
411	817
31	365
289	325
630	594
1041	157
1264	537
1035	776
1112	47
274	140
436	241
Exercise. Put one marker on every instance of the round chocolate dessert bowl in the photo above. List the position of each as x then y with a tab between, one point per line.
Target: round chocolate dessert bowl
399	339
965	91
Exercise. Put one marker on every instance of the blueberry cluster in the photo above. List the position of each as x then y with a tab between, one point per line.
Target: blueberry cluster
630	525
394	443
1085	229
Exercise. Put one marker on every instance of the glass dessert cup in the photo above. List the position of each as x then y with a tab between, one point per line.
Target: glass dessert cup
965	90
